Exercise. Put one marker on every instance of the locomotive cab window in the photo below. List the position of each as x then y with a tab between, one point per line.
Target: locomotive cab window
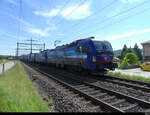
103	46
83	49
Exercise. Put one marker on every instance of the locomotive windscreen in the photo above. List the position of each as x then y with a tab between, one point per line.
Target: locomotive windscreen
103	47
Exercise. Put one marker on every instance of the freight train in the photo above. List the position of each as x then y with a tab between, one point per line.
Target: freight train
85	54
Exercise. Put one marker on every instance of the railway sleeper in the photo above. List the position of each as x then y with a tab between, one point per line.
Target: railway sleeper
118	102
88	90
79	86
129	107
108	98
123	105
100	95
94	92
132	85
82	88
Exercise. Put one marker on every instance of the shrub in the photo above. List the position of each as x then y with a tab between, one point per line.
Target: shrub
129	60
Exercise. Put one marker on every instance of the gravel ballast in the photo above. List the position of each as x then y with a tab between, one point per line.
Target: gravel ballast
62	100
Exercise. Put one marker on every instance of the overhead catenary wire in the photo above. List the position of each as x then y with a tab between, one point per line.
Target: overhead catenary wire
119	21
19	24
20	16
116	15
78	6
96	12
63	7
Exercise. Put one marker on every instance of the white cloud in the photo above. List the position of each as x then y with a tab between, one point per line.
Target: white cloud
129	1
12	2
38	32
81	12
128	34
50	13
41	32
73	12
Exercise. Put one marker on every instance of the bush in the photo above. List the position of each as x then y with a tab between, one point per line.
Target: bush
129	60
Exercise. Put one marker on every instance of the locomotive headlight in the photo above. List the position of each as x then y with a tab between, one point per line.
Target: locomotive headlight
94	58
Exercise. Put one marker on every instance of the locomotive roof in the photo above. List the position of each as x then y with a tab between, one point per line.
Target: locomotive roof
73	43
100	40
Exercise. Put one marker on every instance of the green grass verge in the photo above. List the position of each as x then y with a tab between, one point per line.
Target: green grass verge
1	61
140	78
17	93
7	60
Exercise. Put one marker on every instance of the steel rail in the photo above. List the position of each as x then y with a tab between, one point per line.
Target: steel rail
130	98
92	98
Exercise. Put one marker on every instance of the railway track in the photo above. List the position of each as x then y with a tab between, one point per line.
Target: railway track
111	100
134	88
145	86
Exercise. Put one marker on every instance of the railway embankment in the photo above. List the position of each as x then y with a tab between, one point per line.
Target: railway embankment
17	93
103	94
62	99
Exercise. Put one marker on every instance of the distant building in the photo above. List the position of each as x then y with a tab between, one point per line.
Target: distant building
146	50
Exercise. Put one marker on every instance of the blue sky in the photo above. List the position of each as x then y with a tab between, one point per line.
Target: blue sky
118	21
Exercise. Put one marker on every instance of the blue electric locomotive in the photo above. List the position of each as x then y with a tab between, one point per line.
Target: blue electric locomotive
88	54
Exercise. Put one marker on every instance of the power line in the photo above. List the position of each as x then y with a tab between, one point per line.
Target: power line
31	44
96	12
73	10
118	14
123	19
20	12
60	9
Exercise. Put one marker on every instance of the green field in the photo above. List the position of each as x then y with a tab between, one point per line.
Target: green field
7	60
130	77
17	94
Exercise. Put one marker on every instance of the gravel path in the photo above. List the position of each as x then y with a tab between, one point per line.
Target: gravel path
7	66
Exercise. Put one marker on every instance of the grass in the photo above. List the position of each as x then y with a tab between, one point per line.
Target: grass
17	93
7	60
129	76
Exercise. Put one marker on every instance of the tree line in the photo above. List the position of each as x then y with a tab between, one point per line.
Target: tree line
130	56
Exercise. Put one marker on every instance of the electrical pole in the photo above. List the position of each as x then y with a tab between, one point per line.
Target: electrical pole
22	47
44	46
17	49
31	44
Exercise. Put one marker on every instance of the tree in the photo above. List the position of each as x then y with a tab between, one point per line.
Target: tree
129	59
124	50
129	50
138	51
